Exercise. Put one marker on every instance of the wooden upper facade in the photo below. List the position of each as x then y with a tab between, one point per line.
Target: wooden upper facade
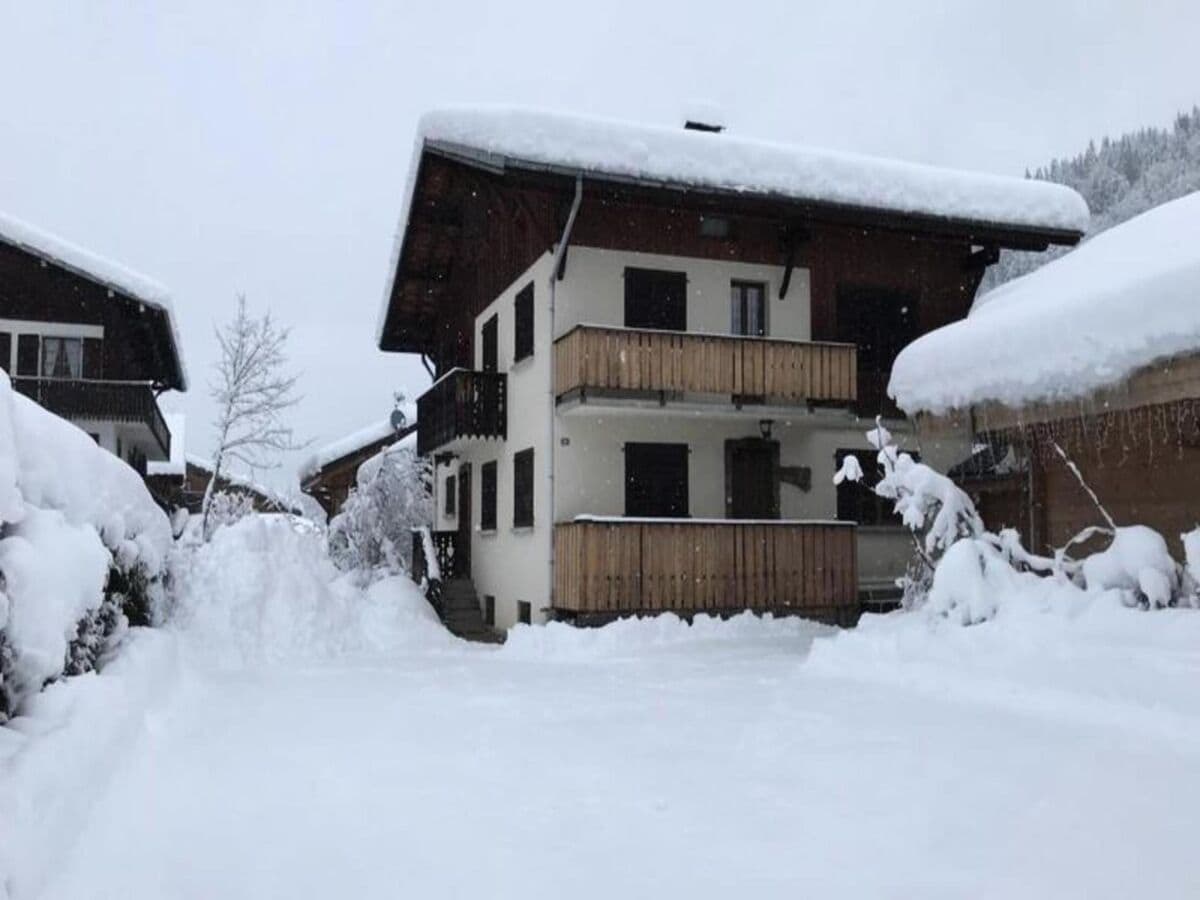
472	229
88	350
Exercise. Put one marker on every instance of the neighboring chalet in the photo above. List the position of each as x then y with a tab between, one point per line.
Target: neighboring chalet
89	340
332	471
1096	354
653	347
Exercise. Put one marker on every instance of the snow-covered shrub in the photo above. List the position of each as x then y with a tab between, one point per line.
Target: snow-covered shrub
227	507
70	514
933	507
392	498
1138	563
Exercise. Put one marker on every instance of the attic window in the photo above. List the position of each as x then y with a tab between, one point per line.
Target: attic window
693	125
714	226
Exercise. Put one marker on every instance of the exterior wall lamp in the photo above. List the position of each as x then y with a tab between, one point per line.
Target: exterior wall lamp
764	427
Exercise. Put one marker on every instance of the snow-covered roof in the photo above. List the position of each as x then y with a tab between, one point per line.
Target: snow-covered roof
351	443
1126	298
283	501
118	278
176	466
615	149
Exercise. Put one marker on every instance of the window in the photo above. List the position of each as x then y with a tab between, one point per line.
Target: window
490	345
714	226
857	500
451	505
655	299
62	357
523	323
523	489
489	610
880	324
27	354
656	480
524	612
487	496
6	351
748	308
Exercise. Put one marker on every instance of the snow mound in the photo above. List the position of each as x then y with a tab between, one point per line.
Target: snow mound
70	510
263	590
56	758
632	637
1127	298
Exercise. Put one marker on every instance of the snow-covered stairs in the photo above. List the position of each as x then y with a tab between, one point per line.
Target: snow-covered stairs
460	611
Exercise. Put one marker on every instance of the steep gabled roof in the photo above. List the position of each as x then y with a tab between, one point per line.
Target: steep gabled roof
126	284
1123	300
799	181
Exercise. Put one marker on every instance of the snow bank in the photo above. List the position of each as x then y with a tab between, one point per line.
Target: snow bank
1125	299
1051	649
726	162
95	268
633	636
56	758
70	510
263	590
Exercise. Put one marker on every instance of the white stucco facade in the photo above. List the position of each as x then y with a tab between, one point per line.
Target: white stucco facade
578	448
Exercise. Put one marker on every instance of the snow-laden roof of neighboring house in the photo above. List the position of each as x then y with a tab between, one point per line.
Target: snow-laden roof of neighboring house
93	267
352	443
283	501
1124	299
672	156
176	466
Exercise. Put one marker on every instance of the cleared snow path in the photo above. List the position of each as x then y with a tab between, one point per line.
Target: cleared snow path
646	763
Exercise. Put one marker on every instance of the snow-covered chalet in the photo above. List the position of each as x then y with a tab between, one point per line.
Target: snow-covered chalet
653	347
1078	385
91	341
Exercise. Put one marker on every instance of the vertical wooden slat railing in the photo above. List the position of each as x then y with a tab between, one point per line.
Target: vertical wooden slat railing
462	404
614	566
590	357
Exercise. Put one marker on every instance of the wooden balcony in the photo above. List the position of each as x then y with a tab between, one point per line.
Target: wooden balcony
594	358
607	567
462	404
108	401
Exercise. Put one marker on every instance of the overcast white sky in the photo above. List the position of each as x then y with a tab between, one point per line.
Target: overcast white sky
261	147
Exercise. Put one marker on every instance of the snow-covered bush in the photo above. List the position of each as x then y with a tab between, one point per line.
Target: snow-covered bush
962	572
392	497
71	515
225	508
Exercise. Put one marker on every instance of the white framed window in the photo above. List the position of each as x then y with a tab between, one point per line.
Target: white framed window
62	357
748	308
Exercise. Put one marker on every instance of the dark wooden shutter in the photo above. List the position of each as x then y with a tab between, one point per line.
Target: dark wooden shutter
6	351
93	358
27	355
523	489
523	323
488	335
655	299
451	504
656	480
487	496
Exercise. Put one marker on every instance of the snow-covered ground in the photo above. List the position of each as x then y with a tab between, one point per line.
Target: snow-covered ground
1051	752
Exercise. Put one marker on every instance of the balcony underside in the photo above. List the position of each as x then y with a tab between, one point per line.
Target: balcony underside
131	403
609	567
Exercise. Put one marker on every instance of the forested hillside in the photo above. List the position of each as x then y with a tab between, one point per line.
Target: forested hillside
1119	179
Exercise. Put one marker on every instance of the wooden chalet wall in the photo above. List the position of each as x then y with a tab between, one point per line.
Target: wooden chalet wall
472	232
39	291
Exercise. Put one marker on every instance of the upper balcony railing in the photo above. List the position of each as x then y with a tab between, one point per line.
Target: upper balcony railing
590	357
462	404
112	401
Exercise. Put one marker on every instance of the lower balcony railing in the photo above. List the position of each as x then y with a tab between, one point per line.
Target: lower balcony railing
462	404
597	358
112	401
613	566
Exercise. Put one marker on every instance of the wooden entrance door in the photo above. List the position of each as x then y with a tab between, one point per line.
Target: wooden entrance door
752	479
462	560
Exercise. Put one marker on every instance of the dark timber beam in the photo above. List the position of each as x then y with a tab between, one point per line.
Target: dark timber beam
983	257
793	238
